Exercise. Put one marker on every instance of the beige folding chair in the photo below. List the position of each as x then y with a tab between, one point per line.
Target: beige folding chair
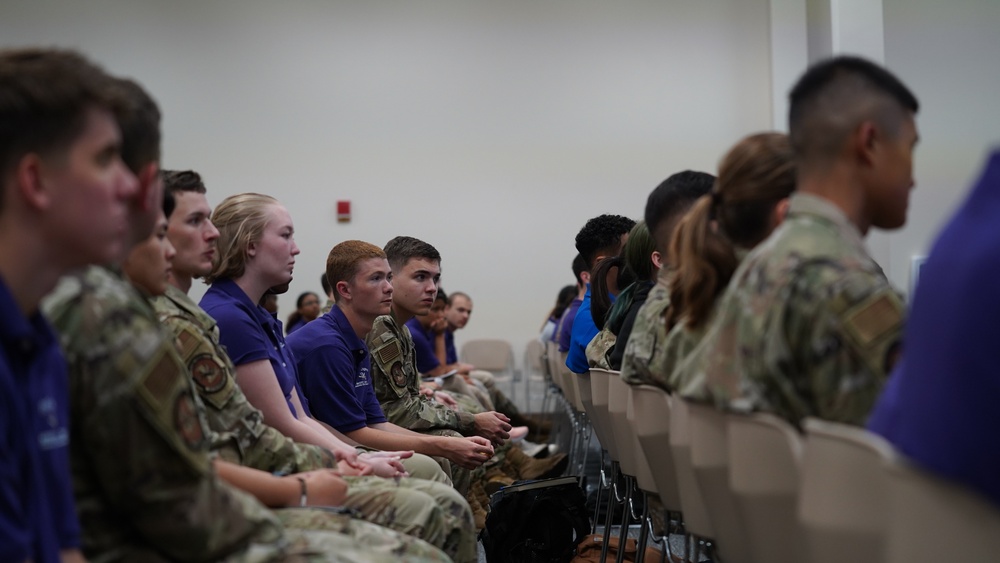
933	520
534	370
710	460
493	355
652	407
696	519
844	500
765	453
599	396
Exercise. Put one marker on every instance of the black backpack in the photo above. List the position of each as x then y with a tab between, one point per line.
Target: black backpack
536	522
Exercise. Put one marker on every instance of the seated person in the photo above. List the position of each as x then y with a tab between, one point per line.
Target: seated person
261	258
564	298
750	199
140	449
639	263
937	408
564	330
306	310
809	324
599	238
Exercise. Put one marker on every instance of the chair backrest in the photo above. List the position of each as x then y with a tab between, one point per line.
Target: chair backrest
765	454
552	356
844	500
599	395
584	392
710	460
652	407
933	520
490	354
643	472
534	359
575	382
618	412
692	503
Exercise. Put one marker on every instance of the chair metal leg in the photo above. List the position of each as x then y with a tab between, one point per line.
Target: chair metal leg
626	519
609	516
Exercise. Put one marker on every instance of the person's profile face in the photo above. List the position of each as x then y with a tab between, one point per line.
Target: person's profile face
415	286
272	258
193	235
90	194
892	178
310	307
148	264
371	288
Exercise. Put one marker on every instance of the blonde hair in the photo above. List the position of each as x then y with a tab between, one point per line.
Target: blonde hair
241	220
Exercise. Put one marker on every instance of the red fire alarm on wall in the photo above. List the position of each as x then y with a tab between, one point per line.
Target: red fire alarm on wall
344	211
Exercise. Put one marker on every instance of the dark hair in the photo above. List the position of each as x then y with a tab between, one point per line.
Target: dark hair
637	260
325	282
600	286
45	95
754	176
836	95
139	120
168	203
401	249
442	296
183	181
579	268
564	299
296	316
670	200
602	234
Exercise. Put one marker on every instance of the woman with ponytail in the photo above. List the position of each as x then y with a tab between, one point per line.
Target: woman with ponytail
749	200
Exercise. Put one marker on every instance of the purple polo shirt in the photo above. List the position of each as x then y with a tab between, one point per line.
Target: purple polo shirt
564	333
449	347
250	334
423	346
334	370
37	512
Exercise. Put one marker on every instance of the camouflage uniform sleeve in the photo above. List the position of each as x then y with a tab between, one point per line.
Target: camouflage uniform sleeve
147	447
244	439
394	376
843	330
644	349
598	349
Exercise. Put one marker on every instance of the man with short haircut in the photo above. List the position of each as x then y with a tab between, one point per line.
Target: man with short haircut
809	325
244	438
665	206
416	269
600	237
63	204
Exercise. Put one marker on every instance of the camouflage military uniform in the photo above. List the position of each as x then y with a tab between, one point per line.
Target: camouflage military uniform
145	487
645	348
807	327
599	347
432	511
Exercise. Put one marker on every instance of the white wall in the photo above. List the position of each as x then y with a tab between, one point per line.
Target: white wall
491	130
949	55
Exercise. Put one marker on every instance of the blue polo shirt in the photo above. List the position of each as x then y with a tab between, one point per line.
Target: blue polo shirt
939	405
250	334
451	355
423	346
334	370
584	330
37	513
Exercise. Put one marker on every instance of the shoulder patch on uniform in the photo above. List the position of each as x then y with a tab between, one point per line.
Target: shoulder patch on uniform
161	379
187	423
872	318
207	373
389	352
398	375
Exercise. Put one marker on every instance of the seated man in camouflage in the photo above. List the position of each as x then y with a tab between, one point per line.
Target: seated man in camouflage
643	361
404	506
809	325
146	487
416	273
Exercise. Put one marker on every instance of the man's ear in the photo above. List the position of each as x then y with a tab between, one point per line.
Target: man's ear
29	182
150	187
585	276
657	259
780	211
343	289
866	142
